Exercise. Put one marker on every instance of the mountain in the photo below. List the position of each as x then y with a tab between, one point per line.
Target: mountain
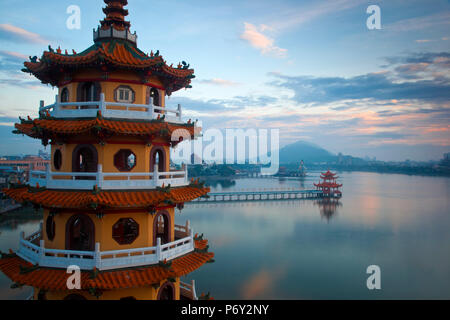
308	152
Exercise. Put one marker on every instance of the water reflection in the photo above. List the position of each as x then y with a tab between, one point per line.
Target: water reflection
12	223
287	250
223	183
328	207
14	219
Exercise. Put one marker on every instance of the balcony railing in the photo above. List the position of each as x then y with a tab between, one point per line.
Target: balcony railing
104	260
110	110
108	180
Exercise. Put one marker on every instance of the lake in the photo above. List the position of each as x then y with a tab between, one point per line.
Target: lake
309	249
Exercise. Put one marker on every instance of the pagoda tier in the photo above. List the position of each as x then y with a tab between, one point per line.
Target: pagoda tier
328	185
101	200
103	129
109	54
111	283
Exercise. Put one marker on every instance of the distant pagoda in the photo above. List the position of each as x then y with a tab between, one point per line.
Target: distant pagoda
109	194
328	185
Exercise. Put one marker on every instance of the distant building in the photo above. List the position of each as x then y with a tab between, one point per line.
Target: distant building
44	155
26	164
445	160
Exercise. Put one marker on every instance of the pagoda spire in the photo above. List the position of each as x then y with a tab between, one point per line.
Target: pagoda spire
114	26
115	15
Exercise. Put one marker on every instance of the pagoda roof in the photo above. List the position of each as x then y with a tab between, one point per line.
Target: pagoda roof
328	174
328	185
109	53
46	128
72	199
329	177
15	268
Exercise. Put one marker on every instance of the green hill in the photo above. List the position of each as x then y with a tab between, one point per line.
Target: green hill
308	152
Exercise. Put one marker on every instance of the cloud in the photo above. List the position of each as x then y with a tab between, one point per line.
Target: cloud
13	33
220	82
391	135
430	72
27	84
15	56
420	23
293	17
373	86
10	61
260	41
418	57
196	104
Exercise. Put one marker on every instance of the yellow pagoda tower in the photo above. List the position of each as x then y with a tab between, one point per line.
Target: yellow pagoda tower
109	195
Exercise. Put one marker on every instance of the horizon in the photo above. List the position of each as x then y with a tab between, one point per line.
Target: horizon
260	66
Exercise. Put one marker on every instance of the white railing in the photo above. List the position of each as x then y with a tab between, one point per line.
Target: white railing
188	290
110	110
108	180
180	231
104	260
113	33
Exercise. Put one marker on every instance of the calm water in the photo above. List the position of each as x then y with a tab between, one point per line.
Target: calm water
311	250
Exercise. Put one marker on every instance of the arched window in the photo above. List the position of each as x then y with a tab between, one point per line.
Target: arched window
166	292
50	228
65	95
57	159
153	95
85	159
158	157
161	227
80	233
88	91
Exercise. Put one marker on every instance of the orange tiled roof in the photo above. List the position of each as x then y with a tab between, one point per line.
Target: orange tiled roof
55	279
113	52
38	128
106	199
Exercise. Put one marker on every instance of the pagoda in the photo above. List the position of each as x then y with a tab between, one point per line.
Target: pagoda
109	194
328	185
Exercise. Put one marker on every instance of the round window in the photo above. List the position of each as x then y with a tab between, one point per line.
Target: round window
125	231
124	160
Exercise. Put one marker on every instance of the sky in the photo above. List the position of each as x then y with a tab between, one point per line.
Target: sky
312	69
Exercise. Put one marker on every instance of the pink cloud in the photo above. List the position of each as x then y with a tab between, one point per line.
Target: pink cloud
13	54
260	41
220	82
16	32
